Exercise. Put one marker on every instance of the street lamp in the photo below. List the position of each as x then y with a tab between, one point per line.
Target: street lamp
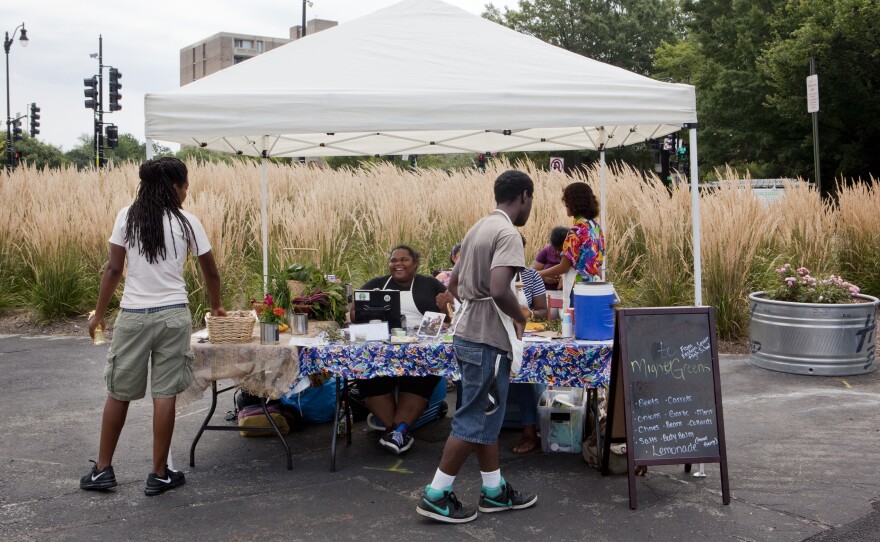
303	33
7	43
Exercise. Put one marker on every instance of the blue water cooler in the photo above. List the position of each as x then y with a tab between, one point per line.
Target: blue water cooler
594	311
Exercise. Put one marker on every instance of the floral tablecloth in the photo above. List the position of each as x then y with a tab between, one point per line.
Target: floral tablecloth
558	363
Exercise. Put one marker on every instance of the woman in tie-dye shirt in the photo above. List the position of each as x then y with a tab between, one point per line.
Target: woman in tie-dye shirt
584	246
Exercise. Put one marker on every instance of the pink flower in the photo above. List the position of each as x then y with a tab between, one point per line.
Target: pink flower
790	281
853	289
802	271
268	300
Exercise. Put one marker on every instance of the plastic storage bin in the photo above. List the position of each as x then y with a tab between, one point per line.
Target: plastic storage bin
561	413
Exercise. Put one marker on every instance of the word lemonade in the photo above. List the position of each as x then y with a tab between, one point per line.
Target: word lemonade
681	421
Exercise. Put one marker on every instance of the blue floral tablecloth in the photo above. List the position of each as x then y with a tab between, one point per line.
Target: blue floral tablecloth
558	363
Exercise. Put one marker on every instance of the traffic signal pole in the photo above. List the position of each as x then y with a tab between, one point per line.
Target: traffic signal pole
99	135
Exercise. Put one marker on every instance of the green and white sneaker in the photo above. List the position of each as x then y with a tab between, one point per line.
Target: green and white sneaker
446	509
508	499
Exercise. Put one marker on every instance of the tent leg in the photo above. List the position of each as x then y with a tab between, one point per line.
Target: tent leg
602	198
149	146
263	197
695	213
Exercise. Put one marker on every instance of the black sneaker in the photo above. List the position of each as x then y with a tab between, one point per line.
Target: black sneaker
509	499
446	509
157	485
95	480
396	441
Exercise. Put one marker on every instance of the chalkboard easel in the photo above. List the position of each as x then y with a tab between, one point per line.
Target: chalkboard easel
665	391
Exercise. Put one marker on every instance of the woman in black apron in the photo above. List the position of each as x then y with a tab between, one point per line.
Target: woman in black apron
418	294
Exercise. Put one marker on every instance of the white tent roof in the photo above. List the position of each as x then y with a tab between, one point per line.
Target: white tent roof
419	77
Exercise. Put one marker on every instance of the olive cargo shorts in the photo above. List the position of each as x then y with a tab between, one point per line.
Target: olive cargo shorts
160	340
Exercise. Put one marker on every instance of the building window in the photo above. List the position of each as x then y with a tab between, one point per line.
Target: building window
244	44
238	59
259	46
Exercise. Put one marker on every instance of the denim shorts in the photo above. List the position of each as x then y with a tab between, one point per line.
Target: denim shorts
159	341
477	366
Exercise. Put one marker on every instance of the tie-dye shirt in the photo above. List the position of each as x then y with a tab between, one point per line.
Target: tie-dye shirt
443	277
584	246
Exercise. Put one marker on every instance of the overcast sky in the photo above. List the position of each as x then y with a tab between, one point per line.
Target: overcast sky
143	40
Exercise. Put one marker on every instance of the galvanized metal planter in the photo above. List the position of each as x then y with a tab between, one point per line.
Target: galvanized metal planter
813	338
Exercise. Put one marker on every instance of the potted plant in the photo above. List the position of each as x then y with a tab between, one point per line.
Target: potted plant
811	326
272	317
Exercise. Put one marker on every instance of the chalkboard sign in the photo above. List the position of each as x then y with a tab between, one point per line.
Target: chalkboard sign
665	386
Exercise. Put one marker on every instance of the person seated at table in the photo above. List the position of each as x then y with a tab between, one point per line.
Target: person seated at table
549	256
443	276
527	395
418	294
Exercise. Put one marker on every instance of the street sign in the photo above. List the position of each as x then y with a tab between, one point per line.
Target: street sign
557	164
812	94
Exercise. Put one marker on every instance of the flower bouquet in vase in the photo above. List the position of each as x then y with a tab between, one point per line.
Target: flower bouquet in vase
273	319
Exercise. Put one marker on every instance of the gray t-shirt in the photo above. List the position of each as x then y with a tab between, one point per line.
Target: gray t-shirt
491	242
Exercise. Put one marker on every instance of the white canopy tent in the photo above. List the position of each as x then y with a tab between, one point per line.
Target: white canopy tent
422	77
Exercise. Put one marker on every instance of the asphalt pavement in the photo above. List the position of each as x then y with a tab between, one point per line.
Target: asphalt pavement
803	456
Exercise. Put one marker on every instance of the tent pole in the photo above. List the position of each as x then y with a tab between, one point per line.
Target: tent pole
263	198
602	198
695	213
149	146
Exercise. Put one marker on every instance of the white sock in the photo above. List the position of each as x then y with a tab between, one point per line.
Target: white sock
491	479
441	481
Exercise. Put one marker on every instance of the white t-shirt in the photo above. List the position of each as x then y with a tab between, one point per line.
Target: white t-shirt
159	284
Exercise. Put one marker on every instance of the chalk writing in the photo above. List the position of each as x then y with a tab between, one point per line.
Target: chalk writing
693	351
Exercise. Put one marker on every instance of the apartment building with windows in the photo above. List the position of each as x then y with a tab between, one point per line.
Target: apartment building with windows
220	51
225	49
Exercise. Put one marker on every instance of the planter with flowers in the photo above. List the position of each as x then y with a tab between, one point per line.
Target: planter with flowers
273	319
811	326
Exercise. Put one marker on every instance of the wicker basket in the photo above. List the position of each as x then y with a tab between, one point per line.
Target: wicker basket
235	327
297	288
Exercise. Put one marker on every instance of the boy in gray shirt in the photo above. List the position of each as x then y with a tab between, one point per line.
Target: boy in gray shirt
488	324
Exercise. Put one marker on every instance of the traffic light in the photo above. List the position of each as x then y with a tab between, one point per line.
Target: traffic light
481	162
91	93
35	120
115	85
112	136
16	130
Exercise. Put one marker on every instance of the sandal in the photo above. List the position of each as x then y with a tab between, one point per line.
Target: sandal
526	445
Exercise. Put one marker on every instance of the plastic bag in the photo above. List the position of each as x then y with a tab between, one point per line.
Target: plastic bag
316	405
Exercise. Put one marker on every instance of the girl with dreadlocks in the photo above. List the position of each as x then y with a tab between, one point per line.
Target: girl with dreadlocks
153	237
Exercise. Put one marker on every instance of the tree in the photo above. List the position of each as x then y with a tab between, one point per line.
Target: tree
843	36
624	33
720	57
36	154
82	155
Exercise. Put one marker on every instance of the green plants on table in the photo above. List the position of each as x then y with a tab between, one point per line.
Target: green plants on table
323	299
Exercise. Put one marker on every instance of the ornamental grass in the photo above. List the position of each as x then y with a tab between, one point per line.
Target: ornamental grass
54	226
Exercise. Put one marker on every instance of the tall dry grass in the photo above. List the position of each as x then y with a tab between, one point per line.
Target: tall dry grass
735	227
54	226
858	235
